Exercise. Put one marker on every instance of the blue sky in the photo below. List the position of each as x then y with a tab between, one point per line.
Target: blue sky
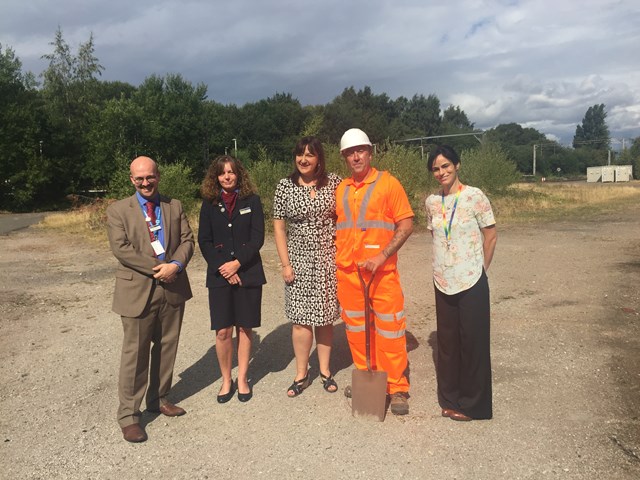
538	63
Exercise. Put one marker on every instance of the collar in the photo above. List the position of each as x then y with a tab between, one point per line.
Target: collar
142	201
370	178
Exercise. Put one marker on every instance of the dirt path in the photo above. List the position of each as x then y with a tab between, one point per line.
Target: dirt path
565	348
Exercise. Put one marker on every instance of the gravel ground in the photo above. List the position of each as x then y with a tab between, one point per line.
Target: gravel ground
566	364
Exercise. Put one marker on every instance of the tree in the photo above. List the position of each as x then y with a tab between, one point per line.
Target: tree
454	118
594	132
20	133
362	109
174	124
419	116
70	93
631	156
274	123
517	142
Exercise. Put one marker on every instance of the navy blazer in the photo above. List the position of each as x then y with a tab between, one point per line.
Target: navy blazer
240	237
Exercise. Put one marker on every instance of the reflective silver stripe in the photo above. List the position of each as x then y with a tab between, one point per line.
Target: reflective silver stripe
377	224
389	317
390	334
362	214
354	313
354	328
362	221
348	223
385	317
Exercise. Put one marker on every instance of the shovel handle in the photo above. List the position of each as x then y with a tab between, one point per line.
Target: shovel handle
367	314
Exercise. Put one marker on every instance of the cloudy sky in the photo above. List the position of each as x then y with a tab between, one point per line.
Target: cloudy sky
540	63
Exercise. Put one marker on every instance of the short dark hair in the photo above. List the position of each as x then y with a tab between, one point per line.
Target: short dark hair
315	148
446	151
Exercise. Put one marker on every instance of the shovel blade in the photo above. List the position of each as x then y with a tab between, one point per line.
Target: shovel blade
369	394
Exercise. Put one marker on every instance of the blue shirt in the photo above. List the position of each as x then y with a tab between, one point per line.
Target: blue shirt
159	233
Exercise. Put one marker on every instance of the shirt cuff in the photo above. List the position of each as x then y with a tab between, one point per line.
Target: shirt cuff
180	267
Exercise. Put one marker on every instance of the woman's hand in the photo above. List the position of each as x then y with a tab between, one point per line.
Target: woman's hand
234	280
288	274
229	269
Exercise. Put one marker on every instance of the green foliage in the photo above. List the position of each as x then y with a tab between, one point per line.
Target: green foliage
22	174
408	166
274	123
175	182
631	156
594	132
488	168
362	109
173	123
265	174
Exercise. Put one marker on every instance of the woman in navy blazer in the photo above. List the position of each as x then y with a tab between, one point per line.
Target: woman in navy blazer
230	236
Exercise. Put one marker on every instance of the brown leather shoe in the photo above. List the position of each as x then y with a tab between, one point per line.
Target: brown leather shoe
459	416
134	433
168	409
171	410
446	412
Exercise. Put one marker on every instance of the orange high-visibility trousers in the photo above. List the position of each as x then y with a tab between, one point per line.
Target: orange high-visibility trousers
388	342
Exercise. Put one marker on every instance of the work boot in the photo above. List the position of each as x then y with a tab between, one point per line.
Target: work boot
347	391
399	403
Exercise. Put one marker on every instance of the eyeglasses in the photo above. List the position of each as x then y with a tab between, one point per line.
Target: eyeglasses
141	180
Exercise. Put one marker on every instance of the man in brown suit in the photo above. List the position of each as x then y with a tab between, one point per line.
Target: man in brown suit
150	236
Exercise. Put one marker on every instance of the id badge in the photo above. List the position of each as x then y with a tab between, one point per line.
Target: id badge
448	258
157	247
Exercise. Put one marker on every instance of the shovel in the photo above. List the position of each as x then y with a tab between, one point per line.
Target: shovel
368	387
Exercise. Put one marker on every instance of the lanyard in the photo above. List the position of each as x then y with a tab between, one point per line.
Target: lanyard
153	227
447	229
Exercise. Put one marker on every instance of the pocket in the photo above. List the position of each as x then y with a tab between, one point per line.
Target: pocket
124	274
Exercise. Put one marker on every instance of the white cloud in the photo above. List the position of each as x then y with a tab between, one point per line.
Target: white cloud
526	61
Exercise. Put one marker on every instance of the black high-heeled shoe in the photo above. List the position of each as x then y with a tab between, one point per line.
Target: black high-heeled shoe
245	397
227	396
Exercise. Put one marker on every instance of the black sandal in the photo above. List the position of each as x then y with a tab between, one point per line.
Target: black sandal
298	386
328	383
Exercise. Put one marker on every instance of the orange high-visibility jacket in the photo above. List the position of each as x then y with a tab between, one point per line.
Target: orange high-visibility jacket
367	217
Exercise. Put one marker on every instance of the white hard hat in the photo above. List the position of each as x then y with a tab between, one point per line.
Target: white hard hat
352	138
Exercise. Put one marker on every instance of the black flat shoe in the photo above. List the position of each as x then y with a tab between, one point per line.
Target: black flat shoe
245	397
227	396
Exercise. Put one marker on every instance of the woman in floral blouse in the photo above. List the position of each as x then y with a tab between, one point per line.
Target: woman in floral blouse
464	237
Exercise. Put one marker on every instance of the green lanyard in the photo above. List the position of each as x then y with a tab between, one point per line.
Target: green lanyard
447	229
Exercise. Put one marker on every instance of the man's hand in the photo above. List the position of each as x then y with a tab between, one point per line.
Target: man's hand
372	264
166	272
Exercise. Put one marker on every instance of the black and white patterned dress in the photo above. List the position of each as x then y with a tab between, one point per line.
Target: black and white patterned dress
312	298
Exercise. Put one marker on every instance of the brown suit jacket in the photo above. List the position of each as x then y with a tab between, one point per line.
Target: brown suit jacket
129	239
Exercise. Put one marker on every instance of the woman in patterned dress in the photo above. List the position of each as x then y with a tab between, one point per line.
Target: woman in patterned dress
464	238
304	227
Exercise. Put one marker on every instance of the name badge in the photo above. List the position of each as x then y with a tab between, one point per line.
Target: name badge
245	210
157	247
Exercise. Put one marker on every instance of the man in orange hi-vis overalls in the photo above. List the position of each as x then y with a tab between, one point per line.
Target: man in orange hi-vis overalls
374	220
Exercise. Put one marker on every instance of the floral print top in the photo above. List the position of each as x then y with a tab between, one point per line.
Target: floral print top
458	264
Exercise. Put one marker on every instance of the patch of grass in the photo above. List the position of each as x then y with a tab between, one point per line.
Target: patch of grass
546	202
88	220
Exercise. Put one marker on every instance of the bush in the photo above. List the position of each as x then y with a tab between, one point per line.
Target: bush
265	175
175	182
488	168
